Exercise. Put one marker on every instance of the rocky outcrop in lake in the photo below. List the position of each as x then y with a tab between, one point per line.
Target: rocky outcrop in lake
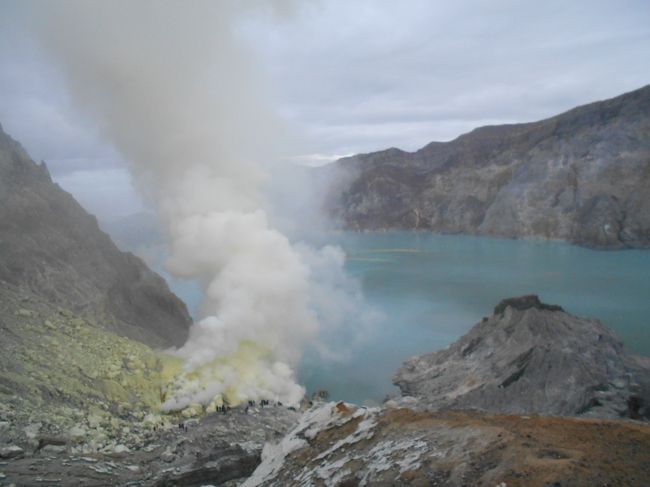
51	247
582	176
465	418
530	357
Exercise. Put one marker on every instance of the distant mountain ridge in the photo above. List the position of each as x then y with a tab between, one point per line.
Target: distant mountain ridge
582	176
51	247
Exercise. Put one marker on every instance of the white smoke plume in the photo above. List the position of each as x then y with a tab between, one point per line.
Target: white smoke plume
171	87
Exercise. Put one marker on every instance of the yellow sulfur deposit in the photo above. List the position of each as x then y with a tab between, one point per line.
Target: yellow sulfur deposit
247	373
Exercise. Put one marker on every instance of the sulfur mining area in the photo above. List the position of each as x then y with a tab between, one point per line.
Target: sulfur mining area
75	376
70	389
86	356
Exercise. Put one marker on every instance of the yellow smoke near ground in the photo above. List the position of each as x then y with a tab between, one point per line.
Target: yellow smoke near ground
249	373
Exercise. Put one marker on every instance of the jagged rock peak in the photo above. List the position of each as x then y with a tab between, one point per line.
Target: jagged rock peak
51	247
522	303
530	357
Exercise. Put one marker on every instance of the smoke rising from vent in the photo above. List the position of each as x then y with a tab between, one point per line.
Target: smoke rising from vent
171	87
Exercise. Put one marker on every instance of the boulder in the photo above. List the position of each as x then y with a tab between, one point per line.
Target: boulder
11	451
224	463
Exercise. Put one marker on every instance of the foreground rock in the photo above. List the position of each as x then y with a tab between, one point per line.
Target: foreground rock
342	445
582	176
530	357
51	247
218	449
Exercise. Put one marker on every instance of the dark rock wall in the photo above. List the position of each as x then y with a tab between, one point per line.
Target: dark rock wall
582	176
50	245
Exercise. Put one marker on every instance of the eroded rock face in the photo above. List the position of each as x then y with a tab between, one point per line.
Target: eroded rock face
354	446
530	357
50	246
582	176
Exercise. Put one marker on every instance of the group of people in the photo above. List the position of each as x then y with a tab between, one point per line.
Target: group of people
263	402
225	409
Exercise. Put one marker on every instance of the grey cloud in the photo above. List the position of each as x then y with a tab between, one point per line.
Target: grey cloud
365	75
347	67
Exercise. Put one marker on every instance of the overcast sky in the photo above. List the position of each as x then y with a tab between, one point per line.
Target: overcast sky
357	76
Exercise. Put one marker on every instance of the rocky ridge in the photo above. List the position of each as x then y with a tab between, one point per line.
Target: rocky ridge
582	176
344	445
532	358
51	247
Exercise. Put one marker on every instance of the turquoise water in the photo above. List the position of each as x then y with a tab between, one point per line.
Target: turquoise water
434	288
431	289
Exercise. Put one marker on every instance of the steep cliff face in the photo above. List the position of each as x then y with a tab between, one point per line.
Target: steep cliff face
582	176
51	247
530	357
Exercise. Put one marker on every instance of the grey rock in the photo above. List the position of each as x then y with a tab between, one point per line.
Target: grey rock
11	451
54	449
530	357
52	247
345	445
52	443
582	176
167	456
222	464
216	448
